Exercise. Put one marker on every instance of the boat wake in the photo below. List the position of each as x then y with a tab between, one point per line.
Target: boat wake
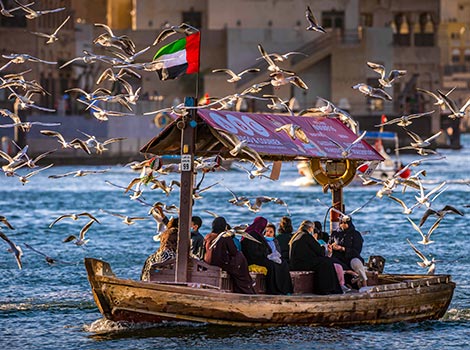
457	315
104	326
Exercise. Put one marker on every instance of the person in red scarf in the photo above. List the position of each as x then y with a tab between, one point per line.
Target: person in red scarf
278	279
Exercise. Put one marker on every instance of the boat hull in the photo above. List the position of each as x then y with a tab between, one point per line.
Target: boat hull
415	300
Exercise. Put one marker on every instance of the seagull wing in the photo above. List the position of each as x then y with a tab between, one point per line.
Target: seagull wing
421	255
449	208
417	228
378	68
426	214
85	229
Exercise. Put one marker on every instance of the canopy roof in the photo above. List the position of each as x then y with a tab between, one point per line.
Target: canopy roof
217	130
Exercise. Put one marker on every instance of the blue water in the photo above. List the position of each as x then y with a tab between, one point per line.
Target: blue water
51	307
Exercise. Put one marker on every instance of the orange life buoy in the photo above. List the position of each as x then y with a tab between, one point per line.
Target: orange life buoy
333	181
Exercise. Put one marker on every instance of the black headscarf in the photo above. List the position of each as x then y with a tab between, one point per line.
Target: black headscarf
219	224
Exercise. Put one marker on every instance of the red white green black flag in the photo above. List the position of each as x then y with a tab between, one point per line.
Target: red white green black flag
179	57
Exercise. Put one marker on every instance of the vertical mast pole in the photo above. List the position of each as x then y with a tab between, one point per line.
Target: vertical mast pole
337	203
188	126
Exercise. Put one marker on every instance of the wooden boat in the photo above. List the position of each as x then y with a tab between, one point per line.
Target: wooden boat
190	290
396	298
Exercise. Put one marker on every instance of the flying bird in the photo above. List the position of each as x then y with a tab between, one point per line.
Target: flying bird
5	222
81	238
74	217
452	105
78	173
128	220
439	101
108	39
52	38
312	21
294	132
48	259
372	92
425	237
405	120
8	12
384	80
32	14
15	249
345	152
183	28
430	264
235	76
447	209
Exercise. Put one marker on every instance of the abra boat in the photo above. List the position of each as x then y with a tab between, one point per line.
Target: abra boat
190	290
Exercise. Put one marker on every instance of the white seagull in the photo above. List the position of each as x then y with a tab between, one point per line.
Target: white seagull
52	38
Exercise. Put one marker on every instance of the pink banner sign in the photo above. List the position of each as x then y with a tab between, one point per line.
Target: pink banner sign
259	132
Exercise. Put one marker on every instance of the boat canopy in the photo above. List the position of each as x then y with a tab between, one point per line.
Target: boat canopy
217	132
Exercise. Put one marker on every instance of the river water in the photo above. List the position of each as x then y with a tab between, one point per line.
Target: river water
51	307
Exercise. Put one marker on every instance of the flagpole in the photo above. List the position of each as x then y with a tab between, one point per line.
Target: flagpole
198	69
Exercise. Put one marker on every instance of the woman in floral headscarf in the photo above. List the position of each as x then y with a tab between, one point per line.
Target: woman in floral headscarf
278	279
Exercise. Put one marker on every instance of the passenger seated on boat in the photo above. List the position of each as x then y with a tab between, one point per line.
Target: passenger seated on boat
166	251
256	251
269	233
340	272
220	250
284	235
306	254
346	246
197	240
322	235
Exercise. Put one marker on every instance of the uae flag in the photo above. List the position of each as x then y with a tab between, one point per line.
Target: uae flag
180	57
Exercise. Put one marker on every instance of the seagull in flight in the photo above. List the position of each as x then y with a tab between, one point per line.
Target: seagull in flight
384	80
431	264
405	120
439	100
8	13
447	209
48	259
426	237
5	222
78	173
32	14
294	132
235	76
52	38
452	105
81	239
128	220
15	249
74	217
372	92
183	28
312	21
345	152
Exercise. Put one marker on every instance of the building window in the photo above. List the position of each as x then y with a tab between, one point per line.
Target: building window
193	18
466	56
402	34
333	19
455	58
367	20
424	32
